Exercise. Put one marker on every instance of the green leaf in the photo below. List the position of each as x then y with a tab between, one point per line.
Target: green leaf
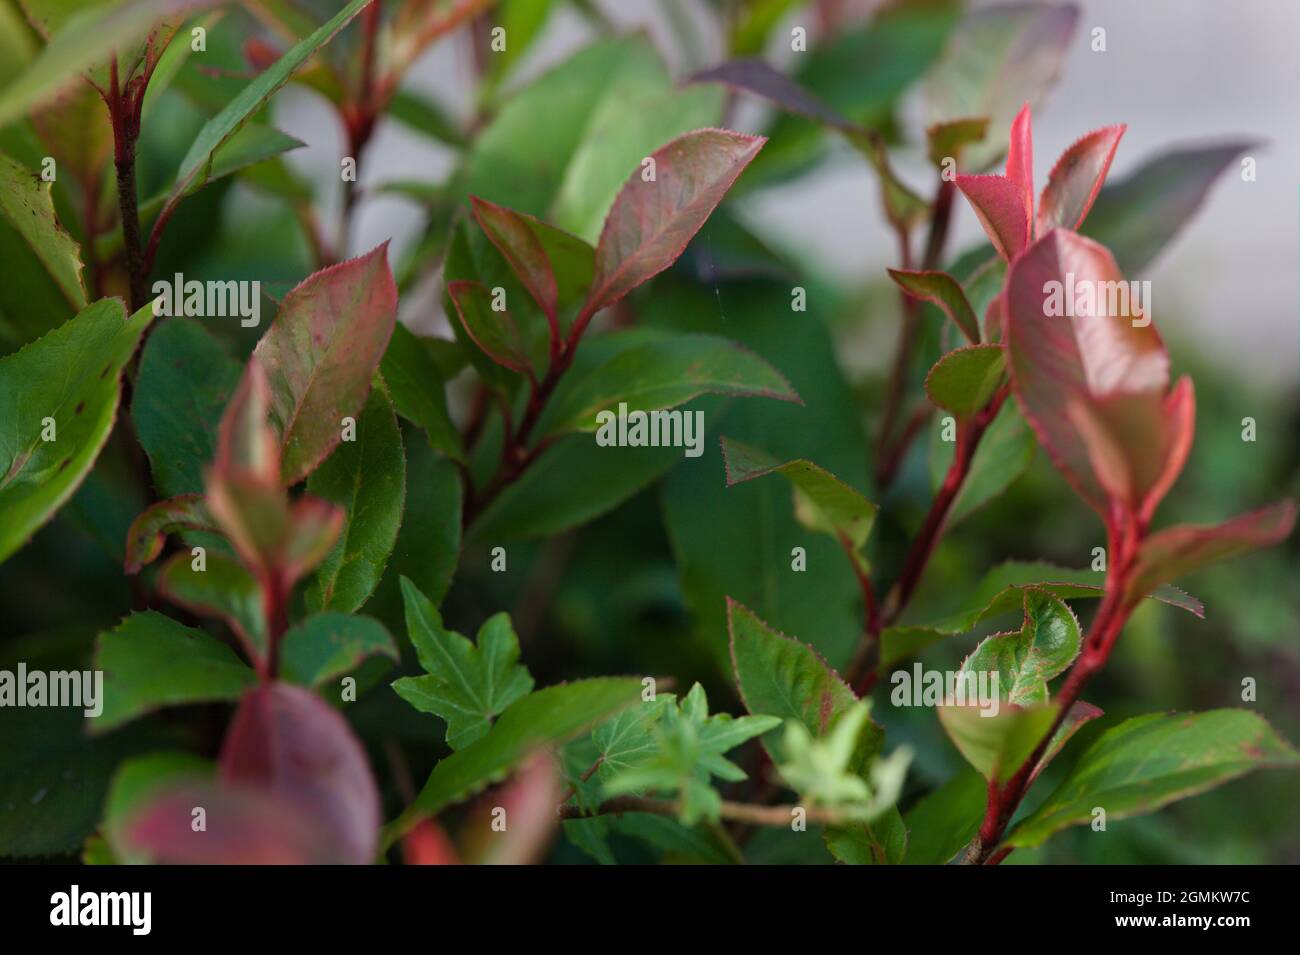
824	770
738	540
622	133
661	374
367	478
223	589
1138	216
521	158
1024	661
995	739
425	115
999	593
321	353
822	501
418	390
467	684
65	387
627	739
779	676
689	752
788	679
329	645
998	59
1150	761
654	218
965	379
941	823
1004	454
547	717
26	205
183	384
151	661
217	131
428	542
941	289
578	482
82	40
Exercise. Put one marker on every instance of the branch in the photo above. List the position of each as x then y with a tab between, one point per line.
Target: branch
888	456
1003	801
861	674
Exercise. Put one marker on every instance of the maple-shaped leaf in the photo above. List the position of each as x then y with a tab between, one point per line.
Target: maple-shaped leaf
823	770
467	685
690	748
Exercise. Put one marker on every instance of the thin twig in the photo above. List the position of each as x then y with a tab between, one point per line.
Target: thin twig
778	816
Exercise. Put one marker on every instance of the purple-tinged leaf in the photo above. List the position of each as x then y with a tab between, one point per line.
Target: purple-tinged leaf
1057	359
494	332
285	741
1137	217
653	219
321	354
145	537
515	236
940	288
753	75
1175	551
1076	179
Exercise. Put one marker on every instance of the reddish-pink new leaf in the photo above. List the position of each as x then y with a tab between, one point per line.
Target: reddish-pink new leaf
1176	551
662	206
1071	339
1076	179
1001	210
287	742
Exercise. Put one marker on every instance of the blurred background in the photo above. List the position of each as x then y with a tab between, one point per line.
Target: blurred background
632	591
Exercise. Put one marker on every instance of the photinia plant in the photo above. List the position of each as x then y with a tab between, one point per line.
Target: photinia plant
591	416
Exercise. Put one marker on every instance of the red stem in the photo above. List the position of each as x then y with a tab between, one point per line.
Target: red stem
1123	539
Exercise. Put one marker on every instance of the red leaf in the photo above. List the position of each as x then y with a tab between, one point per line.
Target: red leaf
286	742
1138	443
428	844
1020	160
1060	359
753	75
651	222
247	448
514	236
1001	210
321	354
241	827
494	332
528	799
1076	179
1179	550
